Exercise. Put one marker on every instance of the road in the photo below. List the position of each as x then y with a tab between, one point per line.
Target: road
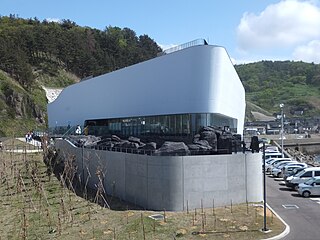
301	214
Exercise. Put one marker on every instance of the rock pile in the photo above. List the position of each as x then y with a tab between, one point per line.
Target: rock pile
209	140
299	156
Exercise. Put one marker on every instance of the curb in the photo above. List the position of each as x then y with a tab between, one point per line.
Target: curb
286	230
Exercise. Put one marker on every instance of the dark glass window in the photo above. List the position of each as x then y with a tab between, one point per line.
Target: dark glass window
164	125
307	174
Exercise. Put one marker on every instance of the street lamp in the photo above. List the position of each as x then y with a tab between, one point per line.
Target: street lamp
282	131
264	229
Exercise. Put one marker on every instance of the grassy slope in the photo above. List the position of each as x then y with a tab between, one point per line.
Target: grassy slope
34	206
10	125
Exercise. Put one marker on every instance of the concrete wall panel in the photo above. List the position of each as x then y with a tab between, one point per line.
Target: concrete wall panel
161	182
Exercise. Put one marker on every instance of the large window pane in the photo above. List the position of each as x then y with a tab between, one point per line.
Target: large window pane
185	124
201	121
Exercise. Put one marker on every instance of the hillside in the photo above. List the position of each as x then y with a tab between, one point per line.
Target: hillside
296	84
36	54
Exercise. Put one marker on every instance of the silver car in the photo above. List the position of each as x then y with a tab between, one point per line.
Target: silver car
270	165
276	169
288	171
310	187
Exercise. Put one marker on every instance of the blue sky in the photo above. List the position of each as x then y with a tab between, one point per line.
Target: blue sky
249	30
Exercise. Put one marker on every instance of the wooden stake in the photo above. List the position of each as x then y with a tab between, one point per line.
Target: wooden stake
213	213
143	230
201	205
187	207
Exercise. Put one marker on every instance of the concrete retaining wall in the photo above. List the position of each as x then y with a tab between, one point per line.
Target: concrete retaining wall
171	182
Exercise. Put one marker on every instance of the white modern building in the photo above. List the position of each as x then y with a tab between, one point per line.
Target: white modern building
174	94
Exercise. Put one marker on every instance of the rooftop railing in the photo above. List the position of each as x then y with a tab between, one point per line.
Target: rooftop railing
197	42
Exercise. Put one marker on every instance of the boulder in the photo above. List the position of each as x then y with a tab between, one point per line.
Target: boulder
207	128
134	140
173	148
91	140
203	143
196	137
149	146
194	147
115	138
121	143
105	143
210	137
131	145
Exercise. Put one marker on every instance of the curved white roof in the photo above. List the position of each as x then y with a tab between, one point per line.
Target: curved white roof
199	79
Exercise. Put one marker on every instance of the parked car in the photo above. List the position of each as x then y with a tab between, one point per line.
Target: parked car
273	155
276	169
271	164
288	171
310	187
270	161
292	168
271	149
303	176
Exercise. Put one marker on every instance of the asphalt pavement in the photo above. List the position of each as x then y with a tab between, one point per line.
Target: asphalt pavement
301	214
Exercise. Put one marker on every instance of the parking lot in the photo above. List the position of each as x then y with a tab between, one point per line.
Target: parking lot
301	214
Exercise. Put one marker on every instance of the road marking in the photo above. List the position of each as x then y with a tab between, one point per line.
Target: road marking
317	200
290	206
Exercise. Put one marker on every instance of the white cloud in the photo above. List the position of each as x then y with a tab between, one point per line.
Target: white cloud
57	20
284	24
308	53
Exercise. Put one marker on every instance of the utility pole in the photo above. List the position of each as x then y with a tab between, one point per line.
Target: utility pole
282	130
264	229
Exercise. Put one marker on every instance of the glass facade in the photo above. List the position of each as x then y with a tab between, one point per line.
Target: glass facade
177	125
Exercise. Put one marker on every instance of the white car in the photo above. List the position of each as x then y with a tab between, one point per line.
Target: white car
273	155
271	149
303	176
276	170
272	163
310	187
288	171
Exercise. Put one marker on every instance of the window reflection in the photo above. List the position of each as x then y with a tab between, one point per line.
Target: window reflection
185	125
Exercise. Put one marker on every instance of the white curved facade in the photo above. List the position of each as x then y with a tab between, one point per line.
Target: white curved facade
199	79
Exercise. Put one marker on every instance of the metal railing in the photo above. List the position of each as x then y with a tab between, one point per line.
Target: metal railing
156	152
197	42
21	149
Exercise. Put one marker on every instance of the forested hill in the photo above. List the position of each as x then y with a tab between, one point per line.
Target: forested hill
296	84
37	53
27	43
